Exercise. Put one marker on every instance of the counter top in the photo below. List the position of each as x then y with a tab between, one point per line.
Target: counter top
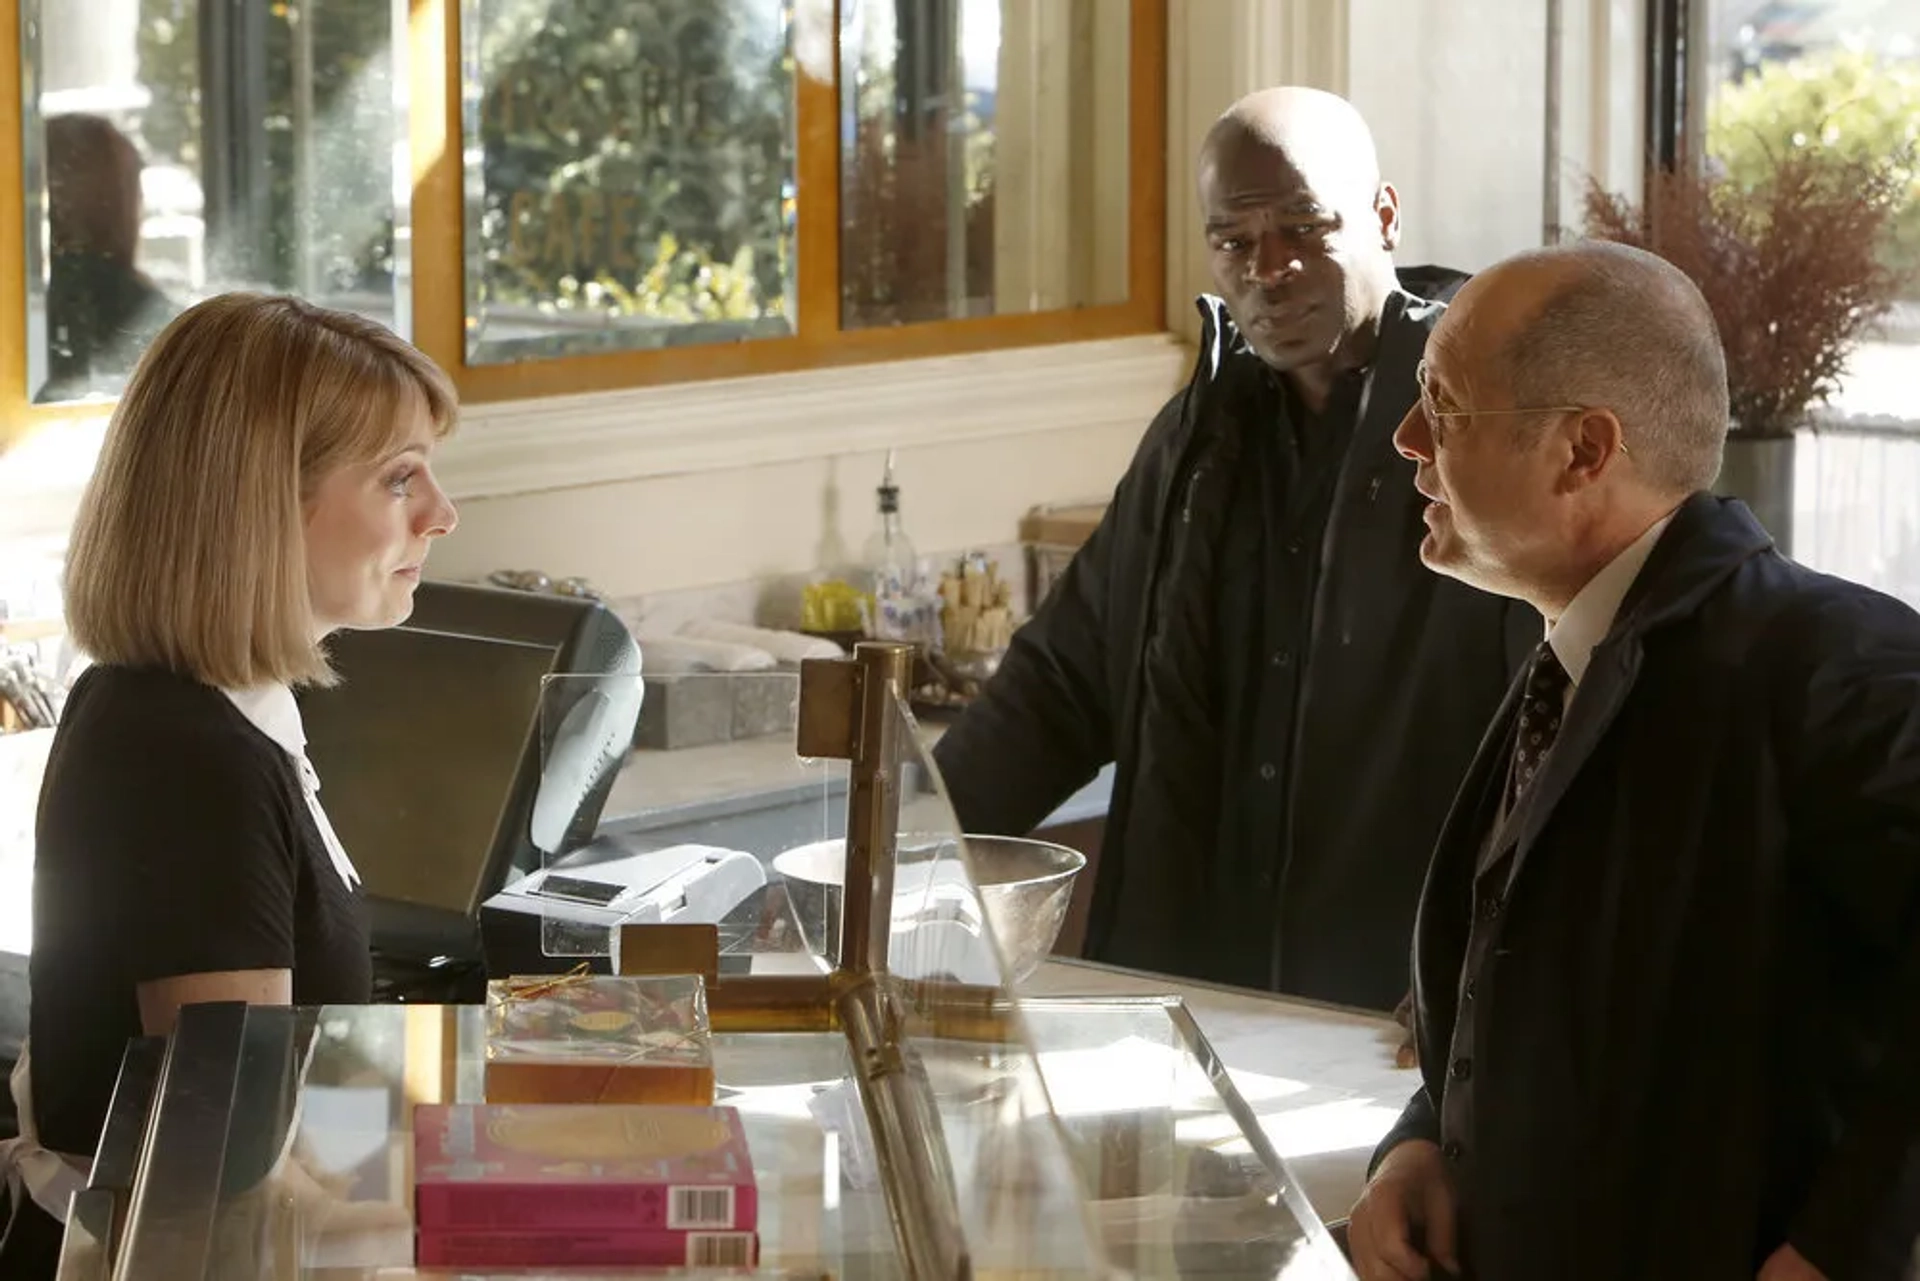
703	782
1320	1078
1126	1081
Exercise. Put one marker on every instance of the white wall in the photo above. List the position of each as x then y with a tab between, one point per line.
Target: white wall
1605	100
669	533
1218	50
704	484
1457	94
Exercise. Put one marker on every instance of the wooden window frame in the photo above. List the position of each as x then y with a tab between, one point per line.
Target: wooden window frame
432	62
17	414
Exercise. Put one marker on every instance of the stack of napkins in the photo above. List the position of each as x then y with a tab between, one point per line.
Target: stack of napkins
791	648
677	655
711	645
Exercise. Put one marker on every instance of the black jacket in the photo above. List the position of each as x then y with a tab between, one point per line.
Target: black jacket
1689	971
1402	673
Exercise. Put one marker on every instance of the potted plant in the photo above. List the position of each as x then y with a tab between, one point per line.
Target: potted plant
1793	263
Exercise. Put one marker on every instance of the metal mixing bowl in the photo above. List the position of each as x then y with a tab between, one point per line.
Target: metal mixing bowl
1024	886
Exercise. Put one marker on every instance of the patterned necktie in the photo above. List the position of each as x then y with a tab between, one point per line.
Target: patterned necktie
1542	704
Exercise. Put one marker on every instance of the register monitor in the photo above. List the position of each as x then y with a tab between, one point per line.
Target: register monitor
430	756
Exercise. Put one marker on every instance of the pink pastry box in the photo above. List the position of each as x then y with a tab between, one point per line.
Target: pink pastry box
555	1183
587	1250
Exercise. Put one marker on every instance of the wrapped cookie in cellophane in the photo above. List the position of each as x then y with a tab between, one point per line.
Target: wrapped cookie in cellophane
581	1038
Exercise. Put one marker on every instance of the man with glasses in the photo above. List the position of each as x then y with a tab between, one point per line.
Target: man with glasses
1667	964
1289	698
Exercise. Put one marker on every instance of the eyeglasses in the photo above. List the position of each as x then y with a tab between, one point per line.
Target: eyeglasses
1438	417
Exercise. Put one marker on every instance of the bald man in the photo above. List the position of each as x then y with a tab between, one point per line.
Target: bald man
1249	635
1667	964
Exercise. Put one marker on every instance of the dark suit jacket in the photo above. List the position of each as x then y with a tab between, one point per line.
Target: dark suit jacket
1688	976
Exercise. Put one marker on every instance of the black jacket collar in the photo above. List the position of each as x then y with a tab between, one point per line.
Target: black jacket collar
1709	539
1403	319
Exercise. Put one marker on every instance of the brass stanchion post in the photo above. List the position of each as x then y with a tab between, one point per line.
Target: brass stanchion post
847	710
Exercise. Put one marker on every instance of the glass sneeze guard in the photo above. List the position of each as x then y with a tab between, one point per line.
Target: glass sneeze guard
907	1112
675	844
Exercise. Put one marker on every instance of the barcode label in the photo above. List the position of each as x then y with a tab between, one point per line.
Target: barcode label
699	1208
719	1249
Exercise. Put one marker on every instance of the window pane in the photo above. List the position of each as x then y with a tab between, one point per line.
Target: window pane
630	174
181	148
984	157
1837	73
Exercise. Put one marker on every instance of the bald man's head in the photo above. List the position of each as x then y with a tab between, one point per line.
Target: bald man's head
1598	323
1318	133
1571	397
1300	226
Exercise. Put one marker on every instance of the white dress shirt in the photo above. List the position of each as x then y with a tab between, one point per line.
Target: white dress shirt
1589	615
1588	618
272	710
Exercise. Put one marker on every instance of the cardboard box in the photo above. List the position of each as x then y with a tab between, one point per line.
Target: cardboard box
628	1172
587	1250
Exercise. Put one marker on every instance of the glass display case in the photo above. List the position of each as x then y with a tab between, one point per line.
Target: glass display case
908	1114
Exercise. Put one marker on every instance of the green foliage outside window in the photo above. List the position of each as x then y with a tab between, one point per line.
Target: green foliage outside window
1865	108
637	155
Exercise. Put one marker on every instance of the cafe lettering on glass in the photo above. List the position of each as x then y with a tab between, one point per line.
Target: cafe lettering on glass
572	235
633	166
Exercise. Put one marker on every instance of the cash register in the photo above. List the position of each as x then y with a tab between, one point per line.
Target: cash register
466	786
569	910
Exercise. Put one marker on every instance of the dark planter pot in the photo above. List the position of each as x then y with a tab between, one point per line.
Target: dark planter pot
1759	472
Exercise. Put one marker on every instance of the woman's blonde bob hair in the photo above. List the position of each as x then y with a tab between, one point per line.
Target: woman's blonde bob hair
189	549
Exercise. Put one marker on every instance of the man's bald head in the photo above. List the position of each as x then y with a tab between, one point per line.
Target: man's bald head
1317	133
1603	324
1301	229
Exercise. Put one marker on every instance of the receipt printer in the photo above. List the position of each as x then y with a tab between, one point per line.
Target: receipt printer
553	919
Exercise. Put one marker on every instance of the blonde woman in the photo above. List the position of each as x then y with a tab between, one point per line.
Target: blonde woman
265	481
